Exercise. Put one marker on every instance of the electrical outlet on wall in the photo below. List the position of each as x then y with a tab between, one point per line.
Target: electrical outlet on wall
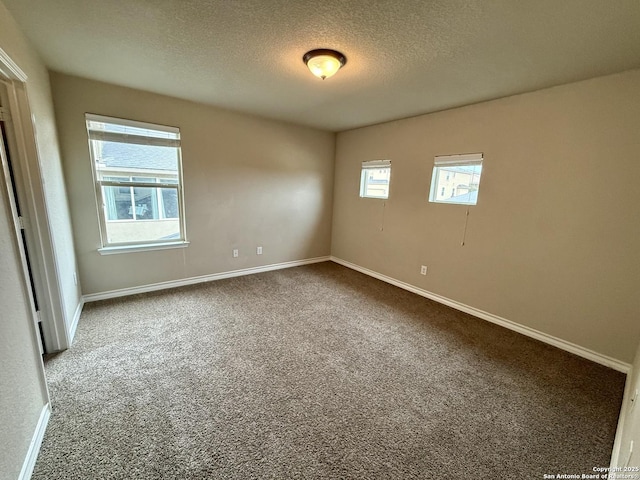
235	253
259	251
423	270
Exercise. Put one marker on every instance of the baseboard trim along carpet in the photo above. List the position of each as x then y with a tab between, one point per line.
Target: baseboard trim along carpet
530	332
201	279
36	442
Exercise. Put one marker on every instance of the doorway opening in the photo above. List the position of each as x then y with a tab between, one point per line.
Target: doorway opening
17	212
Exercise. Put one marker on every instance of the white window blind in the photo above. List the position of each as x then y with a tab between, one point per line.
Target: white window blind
458	160
108	129
376	164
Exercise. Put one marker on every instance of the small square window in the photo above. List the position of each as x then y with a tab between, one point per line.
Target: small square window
375	179
456	179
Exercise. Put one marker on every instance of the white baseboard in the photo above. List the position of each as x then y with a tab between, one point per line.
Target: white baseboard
36	442
74	321
201	279
503	322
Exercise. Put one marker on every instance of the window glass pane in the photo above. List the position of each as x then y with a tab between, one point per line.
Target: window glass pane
143	221
456	184
117	202
117	158
145	203
149	231
116	179
375	182
170	202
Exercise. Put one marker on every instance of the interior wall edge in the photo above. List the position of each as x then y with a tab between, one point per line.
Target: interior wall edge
74	321
573	348
124	292
626	400
625	457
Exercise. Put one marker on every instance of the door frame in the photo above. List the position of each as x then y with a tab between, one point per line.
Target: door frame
29	183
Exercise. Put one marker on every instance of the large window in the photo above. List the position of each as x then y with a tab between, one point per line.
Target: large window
138	174
375	178
456	179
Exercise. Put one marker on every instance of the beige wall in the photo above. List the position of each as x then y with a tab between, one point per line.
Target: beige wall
22	388
49	188
552	243
247	181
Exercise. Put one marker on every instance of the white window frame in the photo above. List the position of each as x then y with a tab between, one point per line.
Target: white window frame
462	160
374	165
99	184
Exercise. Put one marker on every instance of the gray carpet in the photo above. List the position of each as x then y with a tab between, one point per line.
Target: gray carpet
316	372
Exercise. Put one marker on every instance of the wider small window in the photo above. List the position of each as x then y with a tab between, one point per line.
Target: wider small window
138	175
456	179
375	178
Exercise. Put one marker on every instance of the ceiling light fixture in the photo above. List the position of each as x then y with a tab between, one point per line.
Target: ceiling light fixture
324	63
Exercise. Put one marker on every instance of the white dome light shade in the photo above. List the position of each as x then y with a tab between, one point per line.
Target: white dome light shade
324	63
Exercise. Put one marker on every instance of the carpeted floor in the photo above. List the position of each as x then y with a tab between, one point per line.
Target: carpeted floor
316	372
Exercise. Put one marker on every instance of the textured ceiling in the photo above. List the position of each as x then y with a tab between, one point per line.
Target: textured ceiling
405	57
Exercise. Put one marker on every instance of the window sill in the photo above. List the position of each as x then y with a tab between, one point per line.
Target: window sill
146	247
